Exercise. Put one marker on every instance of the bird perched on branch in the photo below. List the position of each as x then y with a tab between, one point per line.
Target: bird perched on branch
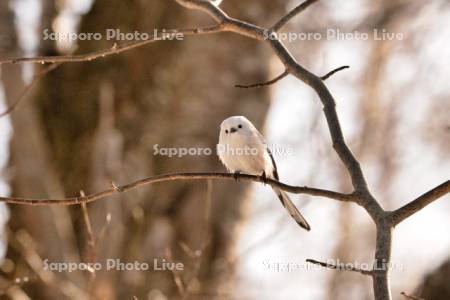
242	148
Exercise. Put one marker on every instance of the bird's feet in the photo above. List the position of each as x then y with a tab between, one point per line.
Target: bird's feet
236	175
264	177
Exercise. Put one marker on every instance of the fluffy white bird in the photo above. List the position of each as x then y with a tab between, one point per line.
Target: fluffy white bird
242	149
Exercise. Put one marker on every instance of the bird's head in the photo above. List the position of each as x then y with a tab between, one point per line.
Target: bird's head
236	125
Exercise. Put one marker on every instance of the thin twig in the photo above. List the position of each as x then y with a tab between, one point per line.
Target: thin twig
115	49
181	176
292	14
92	256
284	74
34	260
261	84
28	88
342	267
410	297
329	74
198	255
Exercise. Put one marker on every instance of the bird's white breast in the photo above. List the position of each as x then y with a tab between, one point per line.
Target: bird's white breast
245	153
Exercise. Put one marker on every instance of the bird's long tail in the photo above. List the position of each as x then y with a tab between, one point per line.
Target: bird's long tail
293	211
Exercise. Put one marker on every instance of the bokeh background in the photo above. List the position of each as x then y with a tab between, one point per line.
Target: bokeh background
86	124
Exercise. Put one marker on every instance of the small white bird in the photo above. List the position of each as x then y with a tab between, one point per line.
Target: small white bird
242	148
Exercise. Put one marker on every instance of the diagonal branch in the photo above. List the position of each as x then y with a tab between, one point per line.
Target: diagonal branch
115	49
181	176
339	144
340	267
332	72
300	8
28	88
416	205
261	84
407	296
284	74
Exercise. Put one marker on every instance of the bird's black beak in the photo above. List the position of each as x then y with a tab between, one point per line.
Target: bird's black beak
232	129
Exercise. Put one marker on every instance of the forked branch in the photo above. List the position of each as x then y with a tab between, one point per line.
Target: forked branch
416	205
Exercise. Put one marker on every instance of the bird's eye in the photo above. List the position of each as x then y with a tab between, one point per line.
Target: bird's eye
239	126
226	130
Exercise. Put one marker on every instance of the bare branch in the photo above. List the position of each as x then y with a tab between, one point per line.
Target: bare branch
331	73
115	49
292	14
261	84
284	74
416	205
410	297
28	88
339	144
181	176
341	267
92	253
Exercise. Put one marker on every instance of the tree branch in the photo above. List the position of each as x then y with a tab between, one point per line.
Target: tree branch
300	8
284	74
341	267
115	49
416	205
261	84
410	297
28	88
181	176
331	73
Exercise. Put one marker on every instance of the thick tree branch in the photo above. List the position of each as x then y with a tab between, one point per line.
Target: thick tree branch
416	205
181	176
297	10
329	104
343	267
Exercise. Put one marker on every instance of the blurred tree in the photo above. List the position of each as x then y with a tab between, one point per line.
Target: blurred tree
88	124
436	284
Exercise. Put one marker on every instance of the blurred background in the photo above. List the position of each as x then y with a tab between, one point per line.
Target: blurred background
84	125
